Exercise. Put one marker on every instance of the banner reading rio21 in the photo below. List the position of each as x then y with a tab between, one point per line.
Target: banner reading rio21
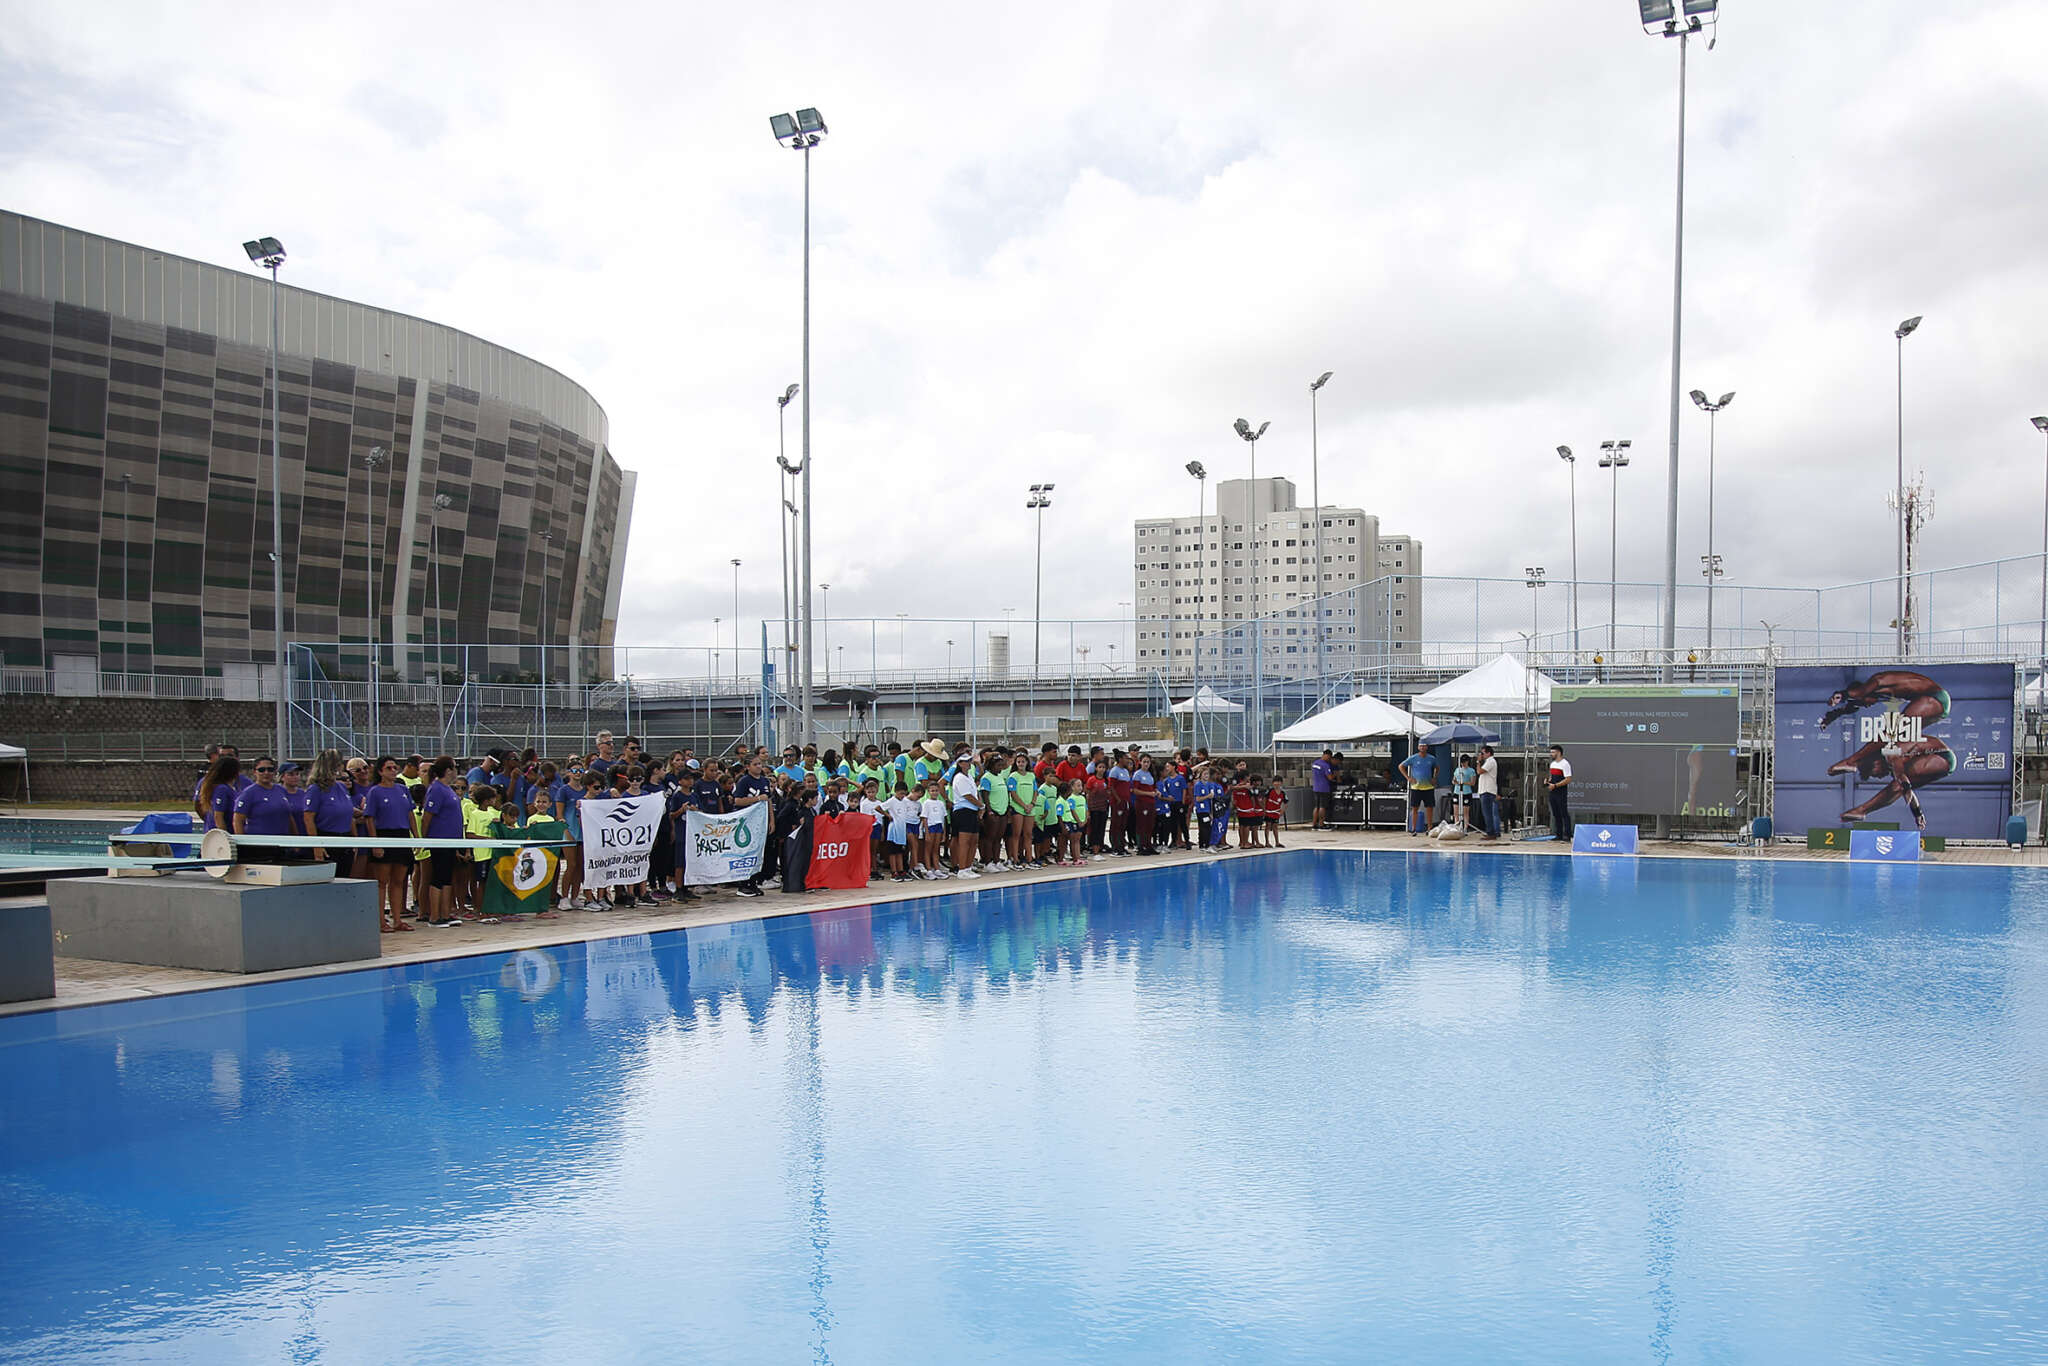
618	839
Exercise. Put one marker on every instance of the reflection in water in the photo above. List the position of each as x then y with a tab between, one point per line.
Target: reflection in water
1269	1108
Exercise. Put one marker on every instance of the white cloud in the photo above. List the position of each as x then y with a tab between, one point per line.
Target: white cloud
1073	242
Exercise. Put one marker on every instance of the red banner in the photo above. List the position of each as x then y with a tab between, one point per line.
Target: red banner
839	852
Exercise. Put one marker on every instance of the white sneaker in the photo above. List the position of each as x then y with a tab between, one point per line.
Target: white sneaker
564	904
967	872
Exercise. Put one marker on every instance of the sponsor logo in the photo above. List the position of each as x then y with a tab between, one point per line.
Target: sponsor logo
1884	844
834	849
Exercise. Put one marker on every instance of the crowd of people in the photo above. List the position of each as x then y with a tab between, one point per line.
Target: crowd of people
938	812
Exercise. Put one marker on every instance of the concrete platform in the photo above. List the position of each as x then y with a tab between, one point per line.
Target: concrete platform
189	920
28	963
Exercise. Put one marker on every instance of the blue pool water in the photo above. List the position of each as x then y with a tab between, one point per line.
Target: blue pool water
1313	1107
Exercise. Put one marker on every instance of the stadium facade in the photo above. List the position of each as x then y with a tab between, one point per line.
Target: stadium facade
437	489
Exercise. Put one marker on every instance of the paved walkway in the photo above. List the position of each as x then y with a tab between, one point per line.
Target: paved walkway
83	981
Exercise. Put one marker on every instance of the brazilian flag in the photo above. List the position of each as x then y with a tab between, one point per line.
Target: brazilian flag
523	880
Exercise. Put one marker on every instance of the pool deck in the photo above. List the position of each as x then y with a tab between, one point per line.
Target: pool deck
88	982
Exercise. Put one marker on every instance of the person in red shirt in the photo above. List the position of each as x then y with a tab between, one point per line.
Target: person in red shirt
1096	787
1276	811
1249	809
1071	767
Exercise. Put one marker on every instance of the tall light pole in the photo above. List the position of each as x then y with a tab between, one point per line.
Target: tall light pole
826	589
1899	335
1244	429
268	252
1315	484
736	625
1038	502
1571	464
801	133
784	512
372	461
1710	562
1201	590
2041	661
1661	17
1614	458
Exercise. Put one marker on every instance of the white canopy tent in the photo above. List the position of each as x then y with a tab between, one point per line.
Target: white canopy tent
1500	688
1362	718
1209	702
15	754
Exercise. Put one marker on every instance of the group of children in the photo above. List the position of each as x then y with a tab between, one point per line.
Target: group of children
996	809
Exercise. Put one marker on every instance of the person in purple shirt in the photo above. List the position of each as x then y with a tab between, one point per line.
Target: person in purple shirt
264	808
1319	775
331	808
443	822
387	811
213	801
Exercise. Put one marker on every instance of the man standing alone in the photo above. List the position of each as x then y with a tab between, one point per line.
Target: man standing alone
1489	792
1560	783
1319	786
1419	769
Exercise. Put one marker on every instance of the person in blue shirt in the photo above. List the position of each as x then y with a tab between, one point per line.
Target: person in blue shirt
484	770
443	810
213	801
331	808
264	808
1173	793
1420	770
1203	795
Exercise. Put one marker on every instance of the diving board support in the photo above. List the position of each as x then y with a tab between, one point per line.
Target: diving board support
217	926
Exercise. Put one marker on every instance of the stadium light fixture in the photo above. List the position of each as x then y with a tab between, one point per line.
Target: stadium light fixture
1258	721
801	133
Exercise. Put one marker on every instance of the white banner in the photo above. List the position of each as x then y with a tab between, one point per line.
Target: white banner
724	848
618	837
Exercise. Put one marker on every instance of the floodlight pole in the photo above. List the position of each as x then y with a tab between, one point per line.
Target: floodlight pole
1571	464
1684	33
1899	335
804	497
803	132
1251	436
2041	660
1316	496
273	261
1201	473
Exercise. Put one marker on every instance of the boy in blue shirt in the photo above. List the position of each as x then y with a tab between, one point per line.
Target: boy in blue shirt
1173	796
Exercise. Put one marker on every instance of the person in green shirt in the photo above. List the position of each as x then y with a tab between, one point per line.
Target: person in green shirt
1045	823
1023	806
995	805
1074	821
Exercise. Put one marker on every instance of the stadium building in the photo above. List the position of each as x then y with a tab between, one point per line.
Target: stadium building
438	491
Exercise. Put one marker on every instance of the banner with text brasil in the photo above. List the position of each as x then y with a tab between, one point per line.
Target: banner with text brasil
724	848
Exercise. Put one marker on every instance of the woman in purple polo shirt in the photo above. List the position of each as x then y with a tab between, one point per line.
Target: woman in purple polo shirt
331	808
444	822
264	808
387	810
214	801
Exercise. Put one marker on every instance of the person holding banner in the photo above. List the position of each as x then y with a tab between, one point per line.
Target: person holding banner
520	880
753	790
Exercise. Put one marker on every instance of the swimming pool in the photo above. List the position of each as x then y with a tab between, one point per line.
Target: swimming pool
57	835
1308	1107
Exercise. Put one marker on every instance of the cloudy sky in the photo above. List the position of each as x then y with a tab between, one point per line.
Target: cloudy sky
1073	242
